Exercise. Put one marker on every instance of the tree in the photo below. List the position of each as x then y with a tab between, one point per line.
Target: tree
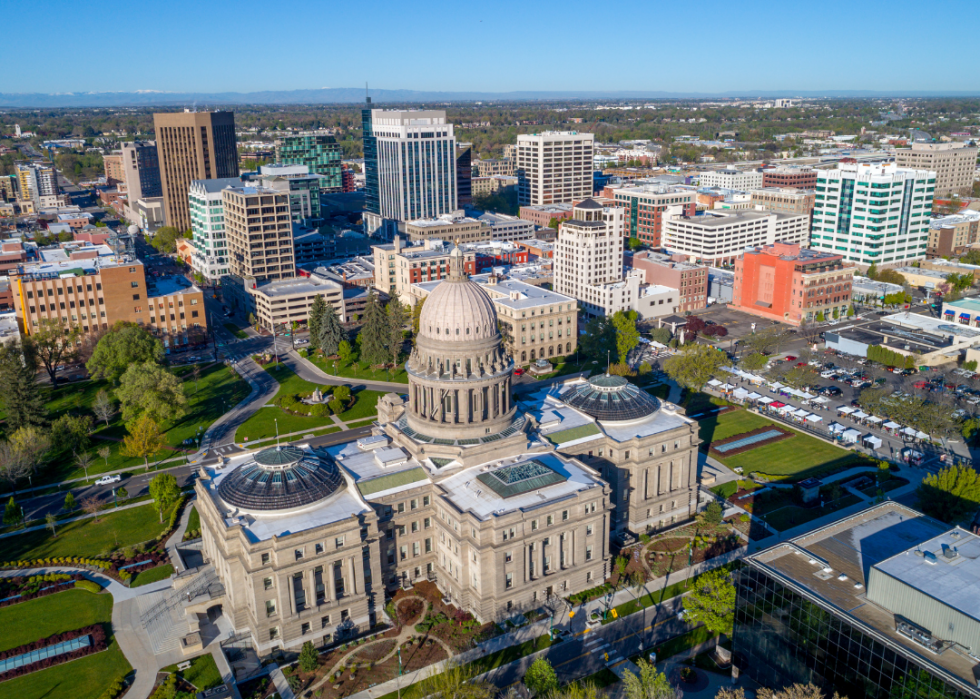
890	276
309	659
634	243
754	362
766	341
331	332
345	352
165	240
627	335
661	335
21	396
122	493
713	513
651	684
712	601
341	393
92	506
396	320
872	272
416	317
457	681
952	495
317	309
69	502
52	522
83	461
540	678
253	321
960	282
54	346
32	445
695	365
374	332
102	407
800	376
71	433
599	341
144	439
149	389
105	452
12	513
164	491
125	344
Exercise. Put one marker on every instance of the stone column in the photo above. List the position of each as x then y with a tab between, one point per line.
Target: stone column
353	574
455	394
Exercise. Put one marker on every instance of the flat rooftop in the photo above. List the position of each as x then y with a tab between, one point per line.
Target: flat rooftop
166	286
971	305
298	286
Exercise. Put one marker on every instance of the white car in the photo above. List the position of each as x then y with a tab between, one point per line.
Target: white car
107	480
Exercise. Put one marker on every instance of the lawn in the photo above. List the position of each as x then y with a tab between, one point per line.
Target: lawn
796	458
263	423
216	392
85	537
193	519
152	575
358	370
203	672
85	678
236	331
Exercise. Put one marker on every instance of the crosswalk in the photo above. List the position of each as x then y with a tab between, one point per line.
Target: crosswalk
599	646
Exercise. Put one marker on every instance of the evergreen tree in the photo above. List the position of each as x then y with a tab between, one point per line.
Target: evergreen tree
69	502
416	316
397	318
374	332
309	659
331	333
21	396
317	309
11	513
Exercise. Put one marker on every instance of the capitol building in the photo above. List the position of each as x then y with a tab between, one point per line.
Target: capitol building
503	501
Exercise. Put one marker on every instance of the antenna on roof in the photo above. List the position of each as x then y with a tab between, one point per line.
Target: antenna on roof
367	97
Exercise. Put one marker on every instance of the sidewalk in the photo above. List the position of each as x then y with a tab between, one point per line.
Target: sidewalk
178	536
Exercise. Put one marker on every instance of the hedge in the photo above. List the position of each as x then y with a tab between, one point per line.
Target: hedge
98	644
88	585
114	689
590	594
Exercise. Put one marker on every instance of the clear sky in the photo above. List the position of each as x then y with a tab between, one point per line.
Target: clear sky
705	46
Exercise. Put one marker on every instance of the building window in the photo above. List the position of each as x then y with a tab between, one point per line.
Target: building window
304	629
265	558
509	581
339	541
270	607
324	621
588	553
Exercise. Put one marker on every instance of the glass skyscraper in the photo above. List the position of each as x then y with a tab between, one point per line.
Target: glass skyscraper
319	152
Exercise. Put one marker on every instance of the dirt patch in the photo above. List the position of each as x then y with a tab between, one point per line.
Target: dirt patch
783	434
374	652
410	611
414	657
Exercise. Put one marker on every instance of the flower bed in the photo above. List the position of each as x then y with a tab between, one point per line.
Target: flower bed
98	644
783	434
20	589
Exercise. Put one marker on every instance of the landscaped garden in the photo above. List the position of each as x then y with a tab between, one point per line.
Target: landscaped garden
357	369
85	677
286	408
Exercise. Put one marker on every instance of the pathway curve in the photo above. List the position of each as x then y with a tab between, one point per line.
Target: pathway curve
407	633
308	371
178	535
264	387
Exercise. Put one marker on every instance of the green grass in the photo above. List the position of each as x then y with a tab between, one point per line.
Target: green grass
152	575
45	616
681	643
85	678
193	520
263	423
654	597
572	433
236	331
85	537
203	672
796	458
359	370
793	515
216	392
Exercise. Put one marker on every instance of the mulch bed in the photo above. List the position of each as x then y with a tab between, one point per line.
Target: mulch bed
784	434
414	657
375	651
410	611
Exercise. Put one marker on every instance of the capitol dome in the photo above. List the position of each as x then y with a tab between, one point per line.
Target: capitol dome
611	399
458	310
280	479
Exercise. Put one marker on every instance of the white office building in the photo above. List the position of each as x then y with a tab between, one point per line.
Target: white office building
409	167
720	236
589	260
210	256
554	167
743	180
873	212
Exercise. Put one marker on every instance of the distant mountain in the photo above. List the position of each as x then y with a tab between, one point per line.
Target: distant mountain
350	95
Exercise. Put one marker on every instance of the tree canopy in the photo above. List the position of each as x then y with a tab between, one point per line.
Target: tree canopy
149	389
125	344
315	320
627	335
540	678
694	366
331	332
53	346
374	332
165	239
164	491
21	396
712	601
599	340
952	495
651	684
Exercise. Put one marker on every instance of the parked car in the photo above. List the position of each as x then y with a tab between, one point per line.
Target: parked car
302	342
790	358
107	480
518	371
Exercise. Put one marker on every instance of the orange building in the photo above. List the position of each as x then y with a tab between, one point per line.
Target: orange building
791	284
91	288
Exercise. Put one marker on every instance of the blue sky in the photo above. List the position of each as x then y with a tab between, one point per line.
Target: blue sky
707	46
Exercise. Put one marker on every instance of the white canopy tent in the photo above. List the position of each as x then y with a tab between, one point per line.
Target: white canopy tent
891	425
755	396
860	415
836	427
872	441
874	420
851	436
801	413
714	382
740	393
909	431
813	418
766	400
846	410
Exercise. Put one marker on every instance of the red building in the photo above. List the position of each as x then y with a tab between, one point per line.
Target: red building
791	284
690	280
798	177
347	180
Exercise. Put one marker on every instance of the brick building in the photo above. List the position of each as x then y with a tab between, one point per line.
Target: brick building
648	207
689	280
789	176
542	214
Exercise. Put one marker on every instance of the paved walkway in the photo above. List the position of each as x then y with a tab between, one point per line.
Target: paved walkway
178	536
308	371
264	387
279	680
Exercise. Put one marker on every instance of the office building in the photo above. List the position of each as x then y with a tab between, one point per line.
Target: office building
689	281
8	188
113	166
952	235
878	604
648	206
312	245
303	187
192	146
207	208
954	165
319	152
409	167
718	238
348	180
504	227
554	167
259	233
589	261
873	212
797	177
35	181
281	303
491	167
541	215
91	287
786	200
141	170
790	284
743	180
464	175
397	266
449	227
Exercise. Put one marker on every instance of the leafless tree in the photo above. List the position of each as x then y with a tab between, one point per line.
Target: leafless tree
83	461
91	506
13	467
102	407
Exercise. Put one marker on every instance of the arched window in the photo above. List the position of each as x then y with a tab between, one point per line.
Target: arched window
551	351
523	357
568	347
532	355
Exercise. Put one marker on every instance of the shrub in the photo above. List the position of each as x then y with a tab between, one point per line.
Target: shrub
320	410
336	406
645	368
341	393
88	585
